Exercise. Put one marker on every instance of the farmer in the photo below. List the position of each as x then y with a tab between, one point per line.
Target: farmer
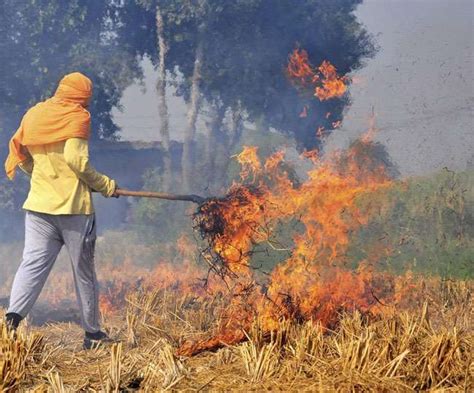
51	146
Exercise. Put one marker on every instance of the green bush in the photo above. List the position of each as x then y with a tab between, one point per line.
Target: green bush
428	226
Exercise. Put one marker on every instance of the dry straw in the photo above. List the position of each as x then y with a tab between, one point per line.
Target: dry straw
427	347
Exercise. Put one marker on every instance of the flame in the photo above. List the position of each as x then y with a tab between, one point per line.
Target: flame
320	132
312	155
299	67
337	124
313	282
332	84
323	80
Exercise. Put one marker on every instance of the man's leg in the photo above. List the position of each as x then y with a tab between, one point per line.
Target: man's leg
79	236
42	245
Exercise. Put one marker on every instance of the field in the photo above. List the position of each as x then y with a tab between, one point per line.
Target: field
376	313
306	220
429	347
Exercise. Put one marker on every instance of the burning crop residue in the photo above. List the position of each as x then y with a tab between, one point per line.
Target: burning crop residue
217	223
313	282
311	315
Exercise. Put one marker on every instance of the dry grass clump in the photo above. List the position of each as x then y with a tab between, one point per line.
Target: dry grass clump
56	383
260	363
16	351
421	348
165	372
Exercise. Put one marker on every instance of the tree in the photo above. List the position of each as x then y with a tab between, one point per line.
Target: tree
193	19
243	50
161	84
228	58
41	40
326	29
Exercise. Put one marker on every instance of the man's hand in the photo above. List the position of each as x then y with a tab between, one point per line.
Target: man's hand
115	195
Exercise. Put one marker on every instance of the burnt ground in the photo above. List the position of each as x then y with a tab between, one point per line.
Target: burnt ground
43	313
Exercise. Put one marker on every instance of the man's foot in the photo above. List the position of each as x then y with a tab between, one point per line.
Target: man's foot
12	320
94	340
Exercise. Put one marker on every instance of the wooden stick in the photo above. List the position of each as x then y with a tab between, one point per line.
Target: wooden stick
160	195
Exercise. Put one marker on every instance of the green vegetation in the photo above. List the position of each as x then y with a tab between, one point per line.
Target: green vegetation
426	225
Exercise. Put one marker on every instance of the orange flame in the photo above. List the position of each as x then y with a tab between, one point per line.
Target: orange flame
324	80
332	84
313	282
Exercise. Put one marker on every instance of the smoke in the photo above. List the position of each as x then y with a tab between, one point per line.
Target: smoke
242	82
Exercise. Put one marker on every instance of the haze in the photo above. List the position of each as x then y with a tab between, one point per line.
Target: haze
420	85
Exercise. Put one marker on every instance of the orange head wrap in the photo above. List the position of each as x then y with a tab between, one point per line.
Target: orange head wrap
61	117
76	88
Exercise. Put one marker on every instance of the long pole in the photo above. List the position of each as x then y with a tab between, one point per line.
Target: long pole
161	195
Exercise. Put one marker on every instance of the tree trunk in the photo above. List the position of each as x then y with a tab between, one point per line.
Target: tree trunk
214	144
236	127
162	103
231	141
187	161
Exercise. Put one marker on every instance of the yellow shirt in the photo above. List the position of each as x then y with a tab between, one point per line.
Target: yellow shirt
62	178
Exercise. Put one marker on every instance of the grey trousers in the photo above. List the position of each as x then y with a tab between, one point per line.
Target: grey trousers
45	234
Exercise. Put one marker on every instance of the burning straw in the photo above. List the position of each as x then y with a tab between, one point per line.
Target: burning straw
216	222
312	283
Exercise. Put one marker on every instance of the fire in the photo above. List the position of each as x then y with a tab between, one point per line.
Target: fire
320	132
185	277
299	67
323	80
324	203
312	283
332	84
337	124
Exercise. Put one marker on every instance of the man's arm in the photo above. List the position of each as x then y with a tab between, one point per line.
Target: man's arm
76	155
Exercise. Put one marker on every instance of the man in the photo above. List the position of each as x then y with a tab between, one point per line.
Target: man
51	146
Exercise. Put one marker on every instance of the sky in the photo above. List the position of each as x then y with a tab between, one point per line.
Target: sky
419	85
